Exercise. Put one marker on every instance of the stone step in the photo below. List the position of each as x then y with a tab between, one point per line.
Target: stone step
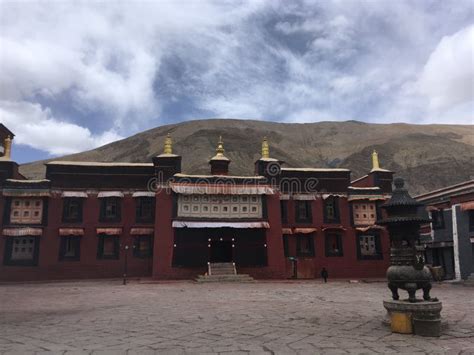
221	264
222	269
222	272
225	278
226	267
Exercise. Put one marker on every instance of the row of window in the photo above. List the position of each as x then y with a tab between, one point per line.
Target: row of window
301	245
437	220
24	250
220	206
362	213
30	211
26	211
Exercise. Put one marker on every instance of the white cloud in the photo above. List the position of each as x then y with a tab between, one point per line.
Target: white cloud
447	79
98	59
106	70
35	127
312	115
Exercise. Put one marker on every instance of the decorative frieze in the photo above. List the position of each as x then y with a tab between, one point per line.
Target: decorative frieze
220	206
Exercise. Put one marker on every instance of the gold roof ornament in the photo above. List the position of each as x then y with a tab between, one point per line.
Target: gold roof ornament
265	149
168	148
375	161
7	148
220	151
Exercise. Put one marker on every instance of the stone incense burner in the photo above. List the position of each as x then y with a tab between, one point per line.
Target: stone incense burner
407	270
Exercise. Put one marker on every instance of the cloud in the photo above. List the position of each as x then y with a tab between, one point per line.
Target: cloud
35	127
107	70
308	116
447	79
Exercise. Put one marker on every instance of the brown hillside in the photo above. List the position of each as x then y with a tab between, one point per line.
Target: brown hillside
427	156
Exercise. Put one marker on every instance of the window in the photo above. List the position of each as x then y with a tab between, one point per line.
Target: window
22	250
220	206
286	246
110	209
108	247
69	248
303	211
369	247
26	211
304	245
143	246
284	211
331	210
145	209
471	221
364	213
333	242
437	219
72	209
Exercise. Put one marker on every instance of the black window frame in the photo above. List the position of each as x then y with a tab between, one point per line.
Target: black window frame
307	204
103	208
286	245
66	207
438	221
100	247
284	211
299	238
378	246
139	207
7	212
471	220
62	248
329	252
334	200
136	246
7	259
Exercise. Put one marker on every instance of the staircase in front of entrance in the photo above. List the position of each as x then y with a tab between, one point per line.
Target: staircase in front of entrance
223	272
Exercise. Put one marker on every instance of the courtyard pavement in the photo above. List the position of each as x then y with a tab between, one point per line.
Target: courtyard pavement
304	317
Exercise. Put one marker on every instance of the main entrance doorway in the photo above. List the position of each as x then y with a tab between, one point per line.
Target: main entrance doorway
195	247
221	251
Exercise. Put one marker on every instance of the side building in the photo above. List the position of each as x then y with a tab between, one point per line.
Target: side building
449	238
93	220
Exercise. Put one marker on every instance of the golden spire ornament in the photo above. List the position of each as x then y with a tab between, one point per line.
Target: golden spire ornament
265	149
220	151
220	148
7	146
168	149
375	160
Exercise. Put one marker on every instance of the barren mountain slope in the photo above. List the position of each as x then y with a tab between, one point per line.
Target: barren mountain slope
428	156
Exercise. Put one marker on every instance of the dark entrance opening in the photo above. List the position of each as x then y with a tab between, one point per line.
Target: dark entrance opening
221	251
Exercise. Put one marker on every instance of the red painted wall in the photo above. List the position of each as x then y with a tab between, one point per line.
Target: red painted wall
276	265
346	266
89	266
164	238
160	267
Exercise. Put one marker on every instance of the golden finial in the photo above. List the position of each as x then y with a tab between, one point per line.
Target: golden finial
265	149
220	148
375	161
168	149
7	148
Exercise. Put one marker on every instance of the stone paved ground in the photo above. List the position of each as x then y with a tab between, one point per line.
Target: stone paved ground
185	317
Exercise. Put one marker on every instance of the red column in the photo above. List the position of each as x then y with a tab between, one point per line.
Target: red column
49	241
275	252
164	236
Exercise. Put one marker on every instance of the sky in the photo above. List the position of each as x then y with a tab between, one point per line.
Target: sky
75	75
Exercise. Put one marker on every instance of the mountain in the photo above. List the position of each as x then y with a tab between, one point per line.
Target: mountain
427	156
